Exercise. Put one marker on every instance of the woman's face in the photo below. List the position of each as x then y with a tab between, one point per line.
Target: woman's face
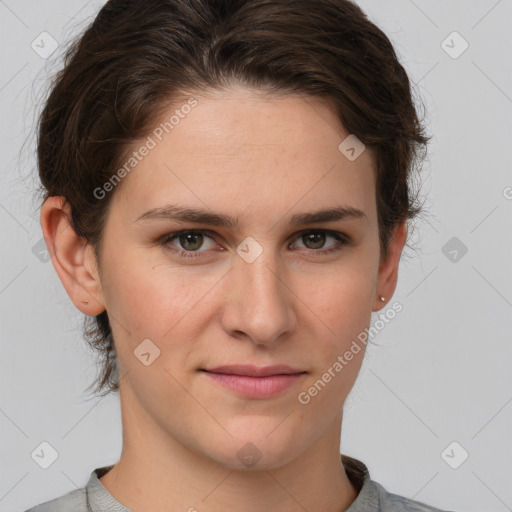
257	291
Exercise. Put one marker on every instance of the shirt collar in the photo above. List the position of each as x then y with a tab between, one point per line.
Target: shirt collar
100	500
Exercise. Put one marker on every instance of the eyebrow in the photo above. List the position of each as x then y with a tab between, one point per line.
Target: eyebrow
200	216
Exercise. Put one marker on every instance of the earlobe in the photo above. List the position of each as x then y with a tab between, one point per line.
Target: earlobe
388	270
71	257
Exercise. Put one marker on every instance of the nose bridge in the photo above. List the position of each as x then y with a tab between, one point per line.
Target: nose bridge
260	305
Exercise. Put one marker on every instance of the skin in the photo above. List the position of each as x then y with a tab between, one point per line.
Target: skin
260	159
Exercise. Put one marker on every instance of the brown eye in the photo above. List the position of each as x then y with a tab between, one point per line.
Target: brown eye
188	242
191	241
314	240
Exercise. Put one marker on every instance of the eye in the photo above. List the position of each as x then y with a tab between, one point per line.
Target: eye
314	240
189	242
186	244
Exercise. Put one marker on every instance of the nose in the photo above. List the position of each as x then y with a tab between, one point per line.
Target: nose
259	303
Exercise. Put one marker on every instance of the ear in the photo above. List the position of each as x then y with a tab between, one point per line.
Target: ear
388	269
72	257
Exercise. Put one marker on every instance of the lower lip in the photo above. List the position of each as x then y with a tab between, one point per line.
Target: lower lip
256	387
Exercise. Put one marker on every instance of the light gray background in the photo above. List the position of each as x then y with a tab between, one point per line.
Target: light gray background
438	373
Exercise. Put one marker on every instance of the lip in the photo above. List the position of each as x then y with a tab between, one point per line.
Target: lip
255	382
255	371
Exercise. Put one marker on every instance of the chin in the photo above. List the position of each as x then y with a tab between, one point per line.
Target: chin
260	448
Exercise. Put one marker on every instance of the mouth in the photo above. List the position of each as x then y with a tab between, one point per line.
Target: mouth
255	382
255	371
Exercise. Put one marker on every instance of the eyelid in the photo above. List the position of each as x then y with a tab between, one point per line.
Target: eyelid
330	232
213	234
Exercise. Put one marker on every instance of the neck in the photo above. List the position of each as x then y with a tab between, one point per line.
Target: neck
156	473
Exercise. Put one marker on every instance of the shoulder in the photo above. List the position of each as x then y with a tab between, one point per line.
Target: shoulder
373	497
74	500
391	502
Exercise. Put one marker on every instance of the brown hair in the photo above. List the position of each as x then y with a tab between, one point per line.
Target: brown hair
136	57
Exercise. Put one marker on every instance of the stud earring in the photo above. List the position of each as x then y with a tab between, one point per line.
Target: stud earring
382	298
85	302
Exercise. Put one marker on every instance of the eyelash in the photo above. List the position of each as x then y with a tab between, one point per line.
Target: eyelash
340	237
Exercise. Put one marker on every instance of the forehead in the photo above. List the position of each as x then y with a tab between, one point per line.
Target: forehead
240	148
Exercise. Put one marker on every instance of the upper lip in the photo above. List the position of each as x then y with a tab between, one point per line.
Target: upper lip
255	371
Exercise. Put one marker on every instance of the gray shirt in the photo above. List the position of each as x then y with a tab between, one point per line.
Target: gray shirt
372	496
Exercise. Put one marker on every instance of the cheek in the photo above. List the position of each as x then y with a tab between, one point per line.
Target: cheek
341	299
342	311
151	298
156	303
340	308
